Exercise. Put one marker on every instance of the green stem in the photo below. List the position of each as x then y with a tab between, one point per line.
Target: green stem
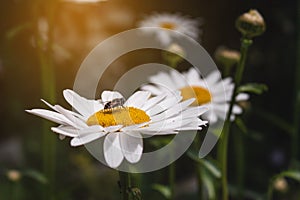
270	192
227	69
295	136
223	160
198	166
245	43
270	187
172	172
16	187
48	92
125	184
199	180
240	164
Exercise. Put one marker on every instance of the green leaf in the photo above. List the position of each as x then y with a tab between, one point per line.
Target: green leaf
162	189
212	168
255	88
241	125
247	194
292	174
209	185
193	155
17	30
36	176
295	175
209	165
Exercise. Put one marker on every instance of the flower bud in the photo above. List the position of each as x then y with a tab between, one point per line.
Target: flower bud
227	57
174	54
281	184
251	24
14	175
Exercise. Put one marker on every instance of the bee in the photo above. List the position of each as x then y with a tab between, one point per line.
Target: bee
118	102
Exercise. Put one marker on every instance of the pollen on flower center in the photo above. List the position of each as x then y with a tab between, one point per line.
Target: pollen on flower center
118	116
168	25
201	95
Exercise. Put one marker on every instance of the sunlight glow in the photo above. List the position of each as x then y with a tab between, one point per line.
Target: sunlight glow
84	1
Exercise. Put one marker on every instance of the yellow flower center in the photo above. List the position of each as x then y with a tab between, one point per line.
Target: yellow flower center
201	95
125	116
168	25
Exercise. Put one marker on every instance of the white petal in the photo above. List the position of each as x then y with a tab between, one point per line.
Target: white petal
82	105
178	79
221	98
61	137
163	79
53	107
163	105
72	132
194	111
232	118
237	110
76	122
173	110
220	110
221	88
91	129
151	88
48	104
111	129
153	101
213	77
86	138
132	146
66	131
195	125
164	37
134	127
110	95
138	99
221	107
227	82
242	97
112	150
190	128
192	76
169	124
212	117
50	115
159	132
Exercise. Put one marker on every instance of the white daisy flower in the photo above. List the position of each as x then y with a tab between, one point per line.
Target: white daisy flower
211	91
123	125
175	22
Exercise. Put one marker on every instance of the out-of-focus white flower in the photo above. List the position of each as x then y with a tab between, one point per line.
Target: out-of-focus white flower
122	125
175	22
211	91
43	28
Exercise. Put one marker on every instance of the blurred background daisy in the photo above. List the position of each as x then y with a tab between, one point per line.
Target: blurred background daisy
175	22
212	91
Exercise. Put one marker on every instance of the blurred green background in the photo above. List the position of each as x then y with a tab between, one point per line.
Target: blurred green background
77	29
